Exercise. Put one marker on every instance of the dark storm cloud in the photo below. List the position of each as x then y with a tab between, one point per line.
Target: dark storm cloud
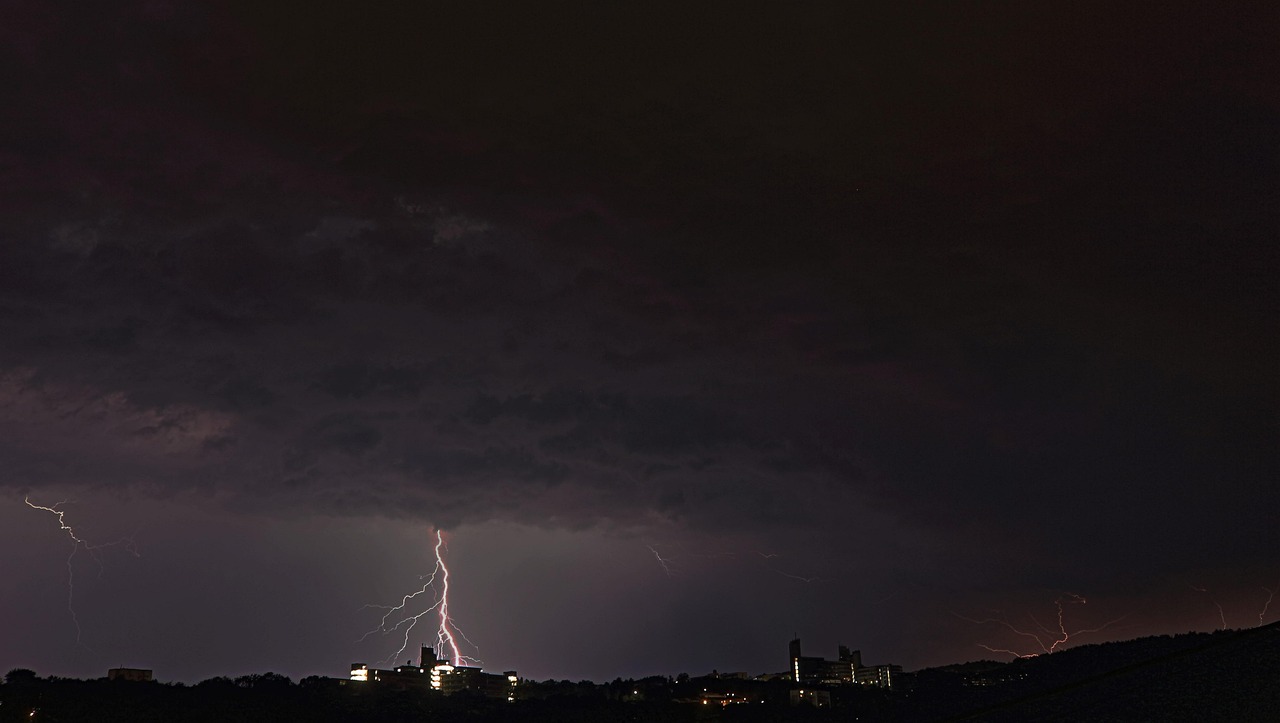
953	281
656	425
355	379
307	355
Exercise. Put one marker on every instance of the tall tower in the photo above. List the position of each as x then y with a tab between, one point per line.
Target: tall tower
428	658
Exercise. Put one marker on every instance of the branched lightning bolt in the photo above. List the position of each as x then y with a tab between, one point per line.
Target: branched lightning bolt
445	641
443	634
1048	640
404	602
1006	624
76	544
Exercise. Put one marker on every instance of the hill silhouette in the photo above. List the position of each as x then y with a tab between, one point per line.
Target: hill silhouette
1227	675
1223	675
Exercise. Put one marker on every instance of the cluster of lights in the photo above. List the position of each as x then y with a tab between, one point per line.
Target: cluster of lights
724	700
438	672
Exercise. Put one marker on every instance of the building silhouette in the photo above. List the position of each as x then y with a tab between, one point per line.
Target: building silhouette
439	675
137	675
846	669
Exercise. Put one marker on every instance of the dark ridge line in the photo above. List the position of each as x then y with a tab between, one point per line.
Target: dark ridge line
1118	672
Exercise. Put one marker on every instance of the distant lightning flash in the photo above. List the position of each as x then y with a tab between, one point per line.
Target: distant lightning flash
801	578
669	568
668	562
1222	616
447	628
1266	605
664	562
76	544
1047	640
770	567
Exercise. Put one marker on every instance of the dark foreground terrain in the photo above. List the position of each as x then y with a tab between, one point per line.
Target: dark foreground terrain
1226	675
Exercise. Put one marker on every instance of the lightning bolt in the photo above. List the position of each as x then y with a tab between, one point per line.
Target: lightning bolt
1266	605
768	566
664	562
76	544
1047	640
443	633
446	629
1221	615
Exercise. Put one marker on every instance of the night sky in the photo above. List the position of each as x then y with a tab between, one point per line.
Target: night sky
695	326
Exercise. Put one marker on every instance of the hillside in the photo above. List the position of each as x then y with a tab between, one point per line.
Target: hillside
1225	675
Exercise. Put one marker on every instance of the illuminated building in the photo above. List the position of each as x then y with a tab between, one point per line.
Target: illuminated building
879	675
808	670
403	677
450	679
847	669
435	674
